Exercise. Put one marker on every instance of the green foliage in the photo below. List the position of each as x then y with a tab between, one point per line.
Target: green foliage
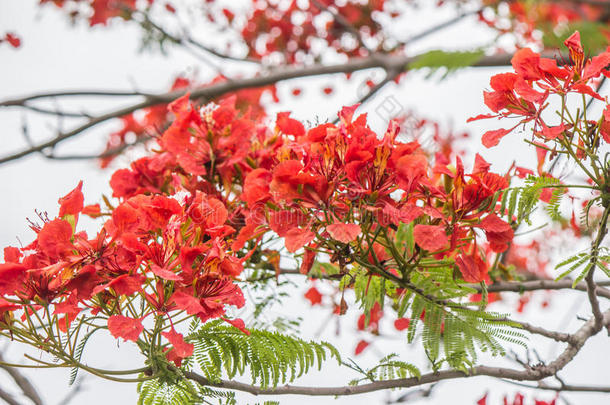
450	332
271	357
222	350
447	61
457	332
591	34
78	352
388	368
585	261
184	392
522	201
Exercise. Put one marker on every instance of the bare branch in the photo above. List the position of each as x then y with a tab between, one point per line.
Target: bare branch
387	62
8	398
534	285
26	386
591	286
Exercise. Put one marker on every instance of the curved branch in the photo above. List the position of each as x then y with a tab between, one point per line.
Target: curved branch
26	386
529	374
502	286
386	62
534	285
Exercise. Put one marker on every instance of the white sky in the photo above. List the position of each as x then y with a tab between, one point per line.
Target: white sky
57	56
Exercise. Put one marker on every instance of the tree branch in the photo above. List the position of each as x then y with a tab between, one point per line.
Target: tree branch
505	286
8	398
26	386
386	62
591	286
530	374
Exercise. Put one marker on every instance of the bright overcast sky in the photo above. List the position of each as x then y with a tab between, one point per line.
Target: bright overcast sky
57	56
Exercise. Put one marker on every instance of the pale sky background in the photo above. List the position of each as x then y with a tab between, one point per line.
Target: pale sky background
57	56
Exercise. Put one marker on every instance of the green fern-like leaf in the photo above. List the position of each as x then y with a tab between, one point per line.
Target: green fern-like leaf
271	357
448	61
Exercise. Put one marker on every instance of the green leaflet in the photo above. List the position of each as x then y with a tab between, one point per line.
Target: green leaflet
522	201
388	368
449	61
591	33
185	392
221	350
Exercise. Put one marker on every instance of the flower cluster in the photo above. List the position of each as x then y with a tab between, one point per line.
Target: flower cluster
523	94
221	188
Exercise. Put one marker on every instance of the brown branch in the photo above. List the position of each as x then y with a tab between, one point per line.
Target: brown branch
386	62
26	386
18	102
534	285
595	246
536	373
537	330
564	387
8	398
501	286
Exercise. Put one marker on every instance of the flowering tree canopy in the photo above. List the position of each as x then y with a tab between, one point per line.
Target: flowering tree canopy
224	198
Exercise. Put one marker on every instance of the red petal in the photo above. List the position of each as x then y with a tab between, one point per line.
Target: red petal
181	348
473	269
360	347
54	238
584	89
238	323
164	273
344	232
308	259
12	277
402	323
314	296
596	66
123	327
347	113
492	223
430	237
187	303
480	117
297	238
492	138
289	126
72	203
